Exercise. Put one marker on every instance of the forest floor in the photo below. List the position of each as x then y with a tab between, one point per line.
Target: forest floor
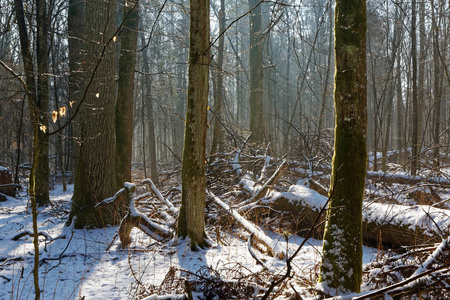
76	264
91	263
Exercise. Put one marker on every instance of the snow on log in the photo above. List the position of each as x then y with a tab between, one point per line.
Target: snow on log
273	246
391	224
408	179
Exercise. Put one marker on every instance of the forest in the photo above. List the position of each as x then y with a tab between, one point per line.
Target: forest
175	149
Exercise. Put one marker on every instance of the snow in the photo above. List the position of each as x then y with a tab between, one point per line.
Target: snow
3	169
301	194
76	263
430	219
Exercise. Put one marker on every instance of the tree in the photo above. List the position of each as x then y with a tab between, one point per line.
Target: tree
256	74
147	108
438	80
95	168
218	131
415	101
341	269
37	94
125	95
191	221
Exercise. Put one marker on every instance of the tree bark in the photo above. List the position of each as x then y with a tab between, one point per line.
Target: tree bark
257	126
438	78
37	95
148	107
341	268
218	131
77	59
191	222
415	101
125	95
95	173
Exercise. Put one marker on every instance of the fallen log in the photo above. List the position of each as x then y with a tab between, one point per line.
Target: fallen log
408	179
273	246
389	224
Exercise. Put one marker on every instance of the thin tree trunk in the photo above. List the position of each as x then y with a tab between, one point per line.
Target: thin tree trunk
437	91
415	103
218	130
327	74
125	95
150	118
256	74
191	221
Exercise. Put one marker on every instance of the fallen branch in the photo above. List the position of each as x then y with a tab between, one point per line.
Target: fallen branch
134	218
160	197
264	189
394	289
29	233
253	254
273	246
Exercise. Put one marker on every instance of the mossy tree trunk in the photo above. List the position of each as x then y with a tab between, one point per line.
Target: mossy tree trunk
341	269
256	74
125	96
95	170
191	221
218	131
37	95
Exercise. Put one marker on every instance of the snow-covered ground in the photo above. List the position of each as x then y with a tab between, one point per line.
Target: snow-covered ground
77	265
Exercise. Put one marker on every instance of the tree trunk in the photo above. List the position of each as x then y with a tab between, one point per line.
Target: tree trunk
415	103
150	118
323	107
256	74
125	95
77	58
400	114
95	173
437	91
218	131
341	268
42	172
191	222
37	100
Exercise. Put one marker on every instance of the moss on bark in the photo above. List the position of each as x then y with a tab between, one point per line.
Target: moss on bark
341	269
191	222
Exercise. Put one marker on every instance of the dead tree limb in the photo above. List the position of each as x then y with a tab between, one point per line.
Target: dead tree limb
135	218
261	192
273	246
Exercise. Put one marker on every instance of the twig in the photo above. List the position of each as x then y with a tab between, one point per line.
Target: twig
253	254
